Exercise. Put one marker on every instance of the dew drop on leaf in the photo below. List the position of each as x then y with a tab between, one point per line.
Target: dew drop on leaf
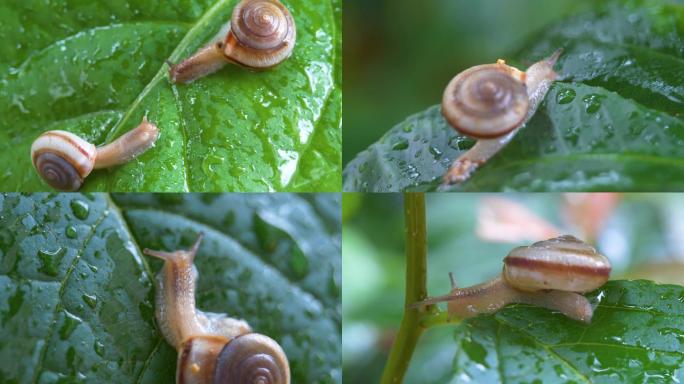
50	261
71	232
70	323
592	103
91	300
400	145
299	264
566	96
99	348
80	209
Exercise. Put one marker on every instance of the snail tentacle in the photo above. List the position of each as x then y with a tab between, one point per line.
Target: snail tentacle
129	146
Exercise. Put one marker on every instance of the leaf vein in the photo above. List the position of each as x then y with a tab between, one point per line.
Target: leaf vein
548	349
62	289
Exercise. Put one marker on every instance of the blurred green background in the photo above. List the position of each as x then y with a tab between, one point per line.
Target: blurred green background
400	54
641	234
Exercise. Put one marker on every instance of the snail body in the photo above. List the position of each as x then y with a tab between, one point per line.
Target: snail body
549	274
491	103
64	160
260	35
212	347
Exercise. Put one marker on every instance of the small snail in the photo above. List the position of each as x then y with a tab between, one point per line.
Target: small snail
490	103
260	35
63	159
212	347
549	274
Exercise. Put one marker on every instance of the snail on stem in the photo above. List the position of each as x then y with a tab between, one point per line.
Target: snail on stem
64	160
212	347
549	274
491	103
260	35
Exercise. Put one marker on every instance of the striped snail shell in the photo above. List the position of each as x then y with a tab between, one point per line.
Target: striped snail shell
263	34
486	101
252	359
63	159
563	263
549	274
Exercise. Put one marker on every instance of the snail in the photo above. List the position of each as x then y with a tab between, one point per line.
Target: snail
212	347
64	160
550	274
260	35
491	103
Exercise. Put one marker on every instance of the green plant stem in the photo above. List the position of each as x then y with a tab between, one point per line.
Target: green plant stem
416	290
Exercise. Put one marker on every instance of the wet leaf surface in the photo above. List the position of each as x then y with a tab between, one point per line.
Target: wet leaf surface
613	122
77	297
636	335
99	69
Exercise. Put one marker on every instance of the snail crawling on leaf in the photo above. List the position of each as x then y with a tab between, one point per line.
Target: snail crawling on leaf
212	348
550	274
64	160
260	35
491	103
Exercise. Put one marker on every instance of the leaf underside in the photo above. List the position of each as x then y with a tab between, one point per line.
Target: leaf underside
636	335
614	121
96	69
77	297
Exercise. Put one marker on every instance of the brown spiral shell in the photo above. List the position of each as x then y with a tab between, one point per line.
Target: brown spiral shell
63	159
486	101
563	263
252	359
263	34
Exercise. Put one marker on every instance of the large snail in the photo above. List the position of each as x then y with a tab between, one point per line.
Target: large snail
260	35
490	103
550	274
64	160
212	347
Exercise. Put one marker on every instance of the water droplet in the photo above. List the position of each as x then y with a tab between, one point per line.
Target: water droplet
436	153
566	96
211	163
91	300
400	145
99	348
80	209
50	261
299	264
70	323
71	232
592	103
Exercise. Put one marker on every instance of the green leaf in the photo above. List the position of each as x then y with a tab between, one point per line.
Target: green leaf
613	122
77	297
99	68
636	335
